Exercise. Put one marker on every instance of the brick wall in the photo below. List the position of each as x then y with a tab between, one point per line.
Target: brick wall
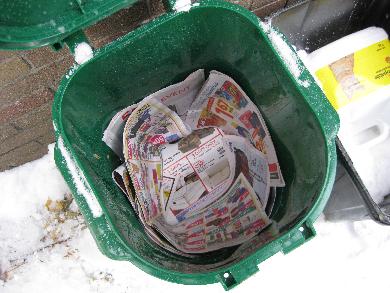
29	79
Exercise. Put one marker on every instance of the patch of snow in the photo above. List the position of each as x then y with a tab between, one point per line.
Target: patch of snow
184	5
303	55
284	51
351	257
82	53
288	55
55	127
71	71
373	167
304	83
23	192
81	183
32	176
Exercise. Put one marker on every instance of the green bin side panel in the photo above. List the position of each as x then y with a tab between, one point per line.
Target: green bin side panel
28	24
215	35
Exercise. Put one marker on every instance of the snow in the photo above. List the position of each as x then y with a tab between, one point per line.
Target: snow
289	56
45	246
71	71
373	166
82	53
81	183
14	182
304	83
184	5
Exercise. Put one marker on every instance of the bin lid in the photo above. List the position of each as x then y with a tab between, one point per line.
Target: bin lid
27	24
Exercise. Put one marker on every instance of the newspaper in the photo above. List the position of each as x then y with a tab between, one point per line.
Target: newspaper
122	179
253	164
149	126
197	170
112	136
201	163
233	219
222	103
178	97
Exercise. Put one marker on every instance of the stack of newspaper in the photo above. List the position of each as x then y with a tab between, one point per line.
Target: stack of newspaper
200	168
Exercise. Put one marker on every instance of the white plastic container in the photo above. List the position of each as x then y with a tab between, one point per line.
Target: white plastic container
363	107
345	46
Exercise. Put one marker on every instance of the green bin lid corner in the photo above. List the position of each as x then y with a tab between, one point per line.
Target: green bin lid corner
28	24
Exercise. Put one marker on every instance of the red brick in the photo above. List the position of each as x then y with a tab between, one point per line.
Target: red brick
11	69
53	73
25	105
30	85
157	8
124	20
6	131
44	56
34	117
26	136
25	100
26	153
46	139
34	83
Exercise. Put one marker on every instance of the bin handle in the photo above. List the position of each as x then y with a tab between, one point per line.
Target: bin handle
374	211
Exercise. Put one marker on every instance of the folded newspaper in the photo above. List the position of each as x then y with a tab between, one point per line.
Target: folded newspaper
200	169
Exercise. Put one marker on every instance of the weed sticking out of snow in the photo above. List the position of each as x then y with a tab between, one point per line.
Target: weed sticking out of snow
28	225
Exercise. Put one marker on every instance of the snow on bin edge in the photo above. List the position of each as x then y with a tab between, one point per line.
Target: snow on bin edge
79	180
289	57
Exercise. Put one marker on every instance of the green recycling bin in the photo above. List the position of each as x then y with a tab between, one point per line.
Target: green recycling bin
212	35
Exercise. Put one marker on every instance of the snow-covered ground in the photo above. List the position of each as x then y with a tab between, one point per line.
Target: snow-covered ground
46	247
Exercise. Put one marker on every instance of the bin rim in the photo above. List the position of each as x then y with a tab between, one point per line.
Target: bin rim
287	240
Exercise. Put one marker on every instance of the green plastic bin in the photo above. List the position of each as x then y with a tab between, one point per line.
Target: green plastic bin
213	35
